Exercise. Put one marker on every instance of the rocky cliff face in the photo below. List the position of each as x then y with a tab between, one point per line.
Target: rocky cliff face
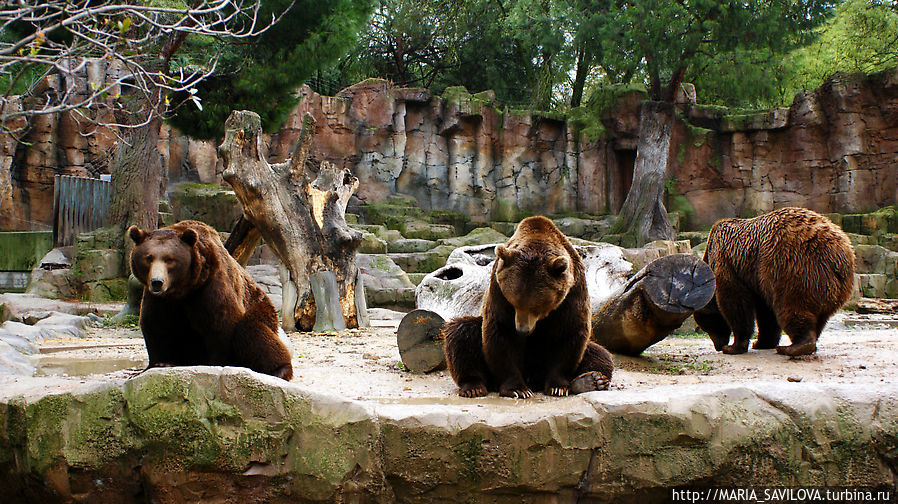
834	150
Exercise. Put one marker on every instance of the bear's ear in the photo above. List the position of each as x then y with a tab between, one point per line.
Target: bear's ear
137	235
558	265
504	253
189	237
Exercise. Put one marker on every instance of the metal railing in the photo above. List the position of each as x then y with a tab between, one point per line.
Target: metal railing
79	206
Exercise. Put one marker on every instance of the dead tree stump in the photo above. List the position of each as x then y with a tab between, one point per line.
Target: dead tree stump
653	303
299	210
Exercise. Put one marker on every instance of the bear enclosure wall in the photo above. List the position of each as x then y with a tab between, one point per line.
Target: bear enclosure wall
834	150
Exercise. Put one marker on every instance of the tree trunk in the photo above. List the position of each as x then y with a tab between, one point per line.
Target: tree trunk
653	303
584	61
137	178
300	212
643	213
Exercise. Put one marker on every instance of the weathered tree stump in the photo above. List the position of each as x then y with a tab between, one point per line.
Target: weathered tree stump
653	303
299	210
418	339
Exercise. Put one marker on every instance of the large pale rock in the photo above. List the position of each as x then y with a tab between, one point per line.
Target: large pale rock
457	289
228	434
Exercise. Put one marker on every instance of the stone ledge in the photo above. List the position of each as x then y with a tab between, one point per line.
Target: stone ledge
186	433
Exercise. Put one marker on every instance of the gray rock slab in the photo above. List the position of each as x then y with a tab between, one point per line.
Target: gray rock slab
13	361
410	245
19	304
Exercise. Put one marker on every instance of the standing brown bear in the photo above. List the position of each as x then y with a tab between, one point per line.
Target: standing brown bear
200	307
535	324
791	269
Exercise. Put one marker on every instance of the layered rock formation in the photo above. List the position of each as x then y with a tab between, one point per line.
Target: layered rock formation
834	150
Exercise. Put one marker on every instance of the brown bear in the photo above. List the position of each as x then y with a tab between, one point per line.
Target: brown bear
534	328
791	269
200	307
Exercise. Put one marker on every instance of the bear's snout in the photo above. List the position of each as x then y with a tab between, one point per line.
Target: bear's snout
158	278
524	322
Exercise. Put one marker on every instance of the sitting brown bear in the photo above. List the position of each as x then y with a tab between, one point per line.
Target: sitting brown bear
200	307
791	268
535	324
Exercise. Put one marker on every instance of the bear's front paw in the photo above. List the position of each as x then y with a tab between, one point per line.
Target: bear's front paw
517	392
590	381
472	390
735	349
797	349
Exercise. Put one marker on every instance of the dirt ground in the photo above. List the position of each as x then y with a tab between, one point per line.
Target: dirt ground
365	364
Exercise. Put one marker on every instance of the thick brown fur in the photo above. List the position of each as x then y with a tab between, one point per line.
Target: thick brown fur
200	307
535	324
791	269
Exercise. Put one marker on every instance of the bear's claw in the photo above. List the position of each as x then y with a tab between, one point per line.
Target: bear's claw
558	391
518	393
590	381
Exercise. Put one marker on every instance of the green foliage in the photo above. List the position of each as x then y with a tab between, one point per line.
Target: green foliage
262	74
862	37
587	119
126	321
662	41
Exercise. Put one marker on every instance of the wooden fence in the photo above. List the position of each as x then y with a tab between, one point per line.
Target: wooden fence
79	205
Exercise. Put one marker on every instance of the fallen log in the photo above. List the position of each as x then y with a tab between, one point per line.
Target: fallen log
299	209
653	303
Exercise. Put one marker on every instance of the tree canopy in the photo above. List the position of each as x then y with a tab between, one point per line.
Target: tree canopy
262	74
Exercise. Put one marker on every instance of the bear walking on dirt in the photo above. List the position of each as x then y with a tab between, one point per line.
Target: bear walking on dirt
200	307
534	328
791	269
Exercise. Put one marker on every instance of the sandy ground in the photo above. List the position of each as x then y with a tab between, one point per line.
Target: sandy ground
365	364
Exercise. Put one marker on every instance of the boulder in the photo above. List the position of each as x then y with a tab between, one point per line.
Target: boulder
407	245
386	284
478	236
371	244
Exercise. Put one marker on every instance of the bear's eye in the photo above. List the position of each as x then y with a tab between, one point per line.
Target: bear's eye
168	261
149	258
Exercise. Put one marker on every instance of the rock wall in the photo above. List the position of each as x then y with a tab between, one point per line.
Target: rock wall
835	150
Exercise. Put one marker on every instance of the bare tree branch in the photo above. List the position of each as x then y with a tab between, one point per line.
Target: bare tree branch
132	42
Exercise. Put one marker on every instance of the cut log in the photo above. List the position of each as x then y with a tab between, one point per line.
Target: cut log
418	339
653	303
299	209
875	305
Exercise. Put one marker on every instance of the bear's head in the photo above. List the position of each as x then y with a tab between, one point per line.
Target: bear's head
165	260
535	283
